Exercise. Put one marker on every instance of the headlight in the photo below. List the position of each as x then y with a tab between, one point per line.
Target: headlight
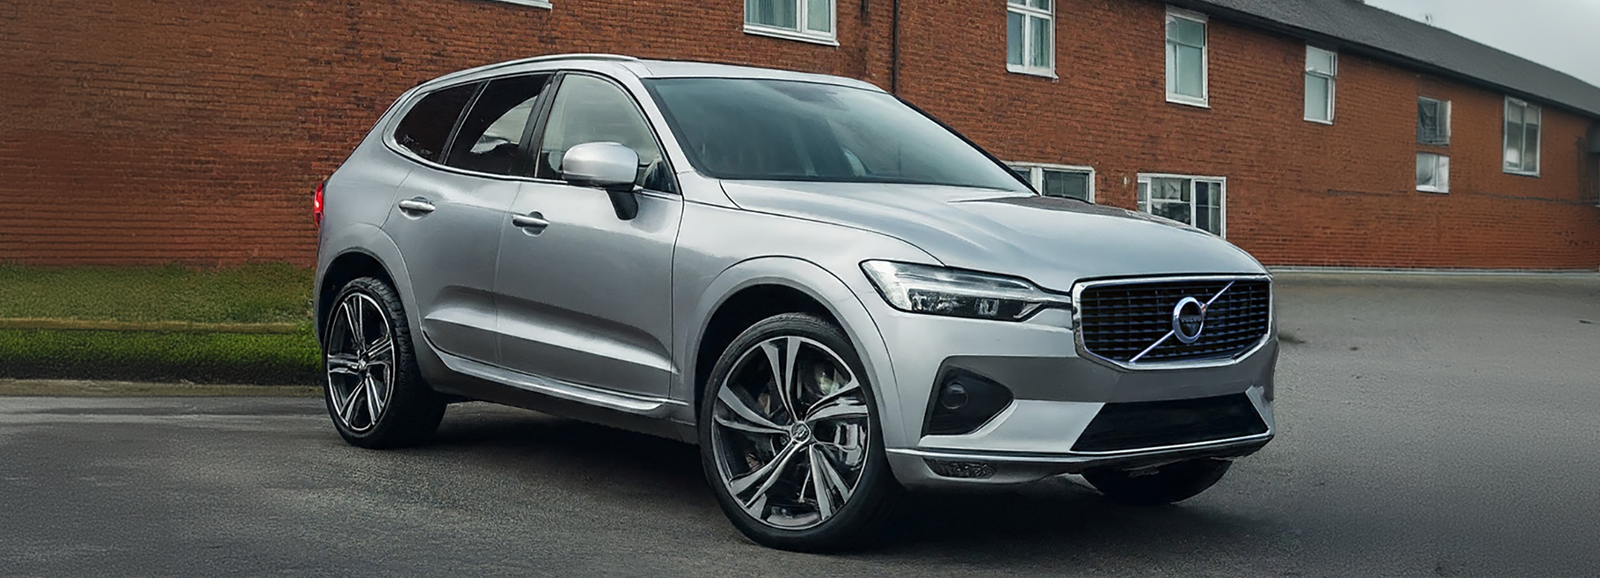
943	291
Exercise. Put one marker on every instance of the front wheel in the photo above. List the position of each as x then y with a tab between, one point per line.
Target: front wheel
790	438
1167	484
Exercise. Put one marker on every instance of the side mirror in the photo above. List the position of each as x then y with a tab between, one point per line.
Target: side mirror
605	165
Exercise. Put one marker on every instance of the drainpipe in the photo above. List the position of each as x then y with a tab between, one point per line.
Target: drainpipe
894	51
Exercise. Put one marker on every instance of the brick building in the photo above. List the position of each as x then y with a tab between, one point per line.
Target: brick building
1309	132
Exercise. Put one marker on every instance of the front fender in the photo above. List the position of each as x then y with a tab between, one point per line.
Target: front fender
821	285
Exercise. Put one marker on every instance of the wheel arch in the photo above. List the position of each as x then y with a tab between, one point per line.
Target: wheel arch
756	289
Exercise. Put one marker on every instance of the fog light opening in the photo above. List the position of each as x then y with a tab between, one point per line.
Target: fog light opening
963	470
962	402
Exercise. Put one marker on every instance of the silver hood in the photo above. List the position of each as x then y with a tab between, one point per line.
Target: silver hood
1050	241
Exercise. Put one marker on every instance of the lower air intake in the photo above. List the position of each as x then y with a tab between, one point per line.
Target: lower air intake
1152	424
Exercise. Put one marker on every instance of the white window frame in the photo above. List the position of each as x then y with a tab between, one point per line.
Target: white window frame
1036	174
1441	168
545	4
1204	101
1444	110
1332	77
801	31
1506	137
1222	203
1027	39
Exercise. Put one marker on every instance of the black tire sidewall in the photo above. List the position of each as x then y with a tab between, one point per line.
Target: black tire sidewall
414	410
861	519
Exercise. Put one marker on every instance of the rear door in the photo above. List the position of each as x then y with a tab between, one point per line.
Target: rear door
450	211
585	298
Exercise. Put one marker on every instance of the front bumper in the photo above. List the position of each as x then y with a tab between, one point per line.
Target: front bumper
1058	393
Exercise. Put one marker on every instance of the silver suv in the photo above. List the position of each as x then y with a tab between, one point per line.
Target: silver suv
834	295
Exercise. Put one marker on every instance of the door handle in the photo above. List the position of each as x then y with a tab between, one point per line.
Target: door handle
417	205
531	222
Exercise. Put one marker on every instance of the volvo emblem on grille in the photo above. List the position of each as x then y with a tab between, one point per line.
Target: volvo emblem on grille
1188	320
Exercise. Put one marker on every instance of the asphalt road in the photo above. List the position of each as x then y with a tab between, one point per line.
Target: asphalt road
1430	426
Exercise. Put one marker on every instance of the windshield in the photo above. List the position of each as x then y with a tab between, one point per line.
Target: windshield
802	131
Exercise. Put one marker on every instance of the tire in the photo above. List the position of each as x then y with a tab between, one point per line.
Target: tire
1167	484
374	391
838	441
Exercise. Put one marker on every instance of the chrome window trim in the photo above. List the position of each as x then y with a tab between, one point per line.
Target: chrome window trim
1083	351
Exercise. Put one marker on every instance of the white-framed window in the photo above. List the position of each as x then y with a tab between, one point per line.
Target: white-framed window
1058	180
1197	201
1433	121
533	3
1322	68
1522	137
1433	173
1031	37
1186	57
807	20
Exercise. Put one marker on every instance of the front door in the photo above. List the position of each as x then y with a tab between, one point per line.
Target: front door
584	296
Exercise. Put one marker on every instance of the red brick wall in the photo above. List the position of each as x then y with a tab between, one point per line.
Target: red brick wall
160	131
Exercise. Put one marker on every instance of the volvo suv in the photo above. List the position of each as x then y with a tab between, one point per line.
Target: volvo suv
835	296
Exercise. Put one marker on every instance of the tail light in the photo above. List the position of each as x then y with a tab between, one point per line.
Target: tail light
316	205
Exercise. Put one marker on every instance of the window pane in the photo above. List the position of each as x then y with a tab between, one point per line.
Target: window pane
1186	32
1190	72
1426	170
1144	196
1317	97
1442	170
491	134
1040	33
779	13
1208	202
1513	137
1530	143
1170	189
1014	32
428	124
1017	2
819	15
1040	4
1429	121
587	110
1318	60
1072	184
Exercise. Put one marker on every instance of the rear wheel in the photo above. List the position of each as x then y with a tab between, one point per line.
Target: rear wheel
790	438
1166	484
373	389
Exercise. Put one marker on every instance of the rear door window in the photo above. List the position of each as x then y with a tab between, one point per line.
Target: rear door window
491	135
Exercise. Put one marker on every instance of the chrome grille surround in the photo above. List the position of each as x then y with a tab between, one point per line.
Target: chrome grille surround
1118	319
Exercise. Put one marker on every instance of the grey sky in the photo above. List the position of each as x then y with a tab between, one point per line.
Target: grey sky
1556	33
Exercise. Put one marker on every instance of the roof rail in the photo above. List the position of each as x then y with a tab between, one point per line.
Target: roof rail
520	61
552	57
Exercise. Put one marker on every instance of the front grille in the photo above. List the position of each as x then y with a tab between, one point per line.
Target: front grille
1153	424
1119	321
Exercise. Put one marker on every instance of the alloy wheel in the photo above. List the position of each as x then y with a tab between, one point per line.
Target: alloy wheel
790	432
360	362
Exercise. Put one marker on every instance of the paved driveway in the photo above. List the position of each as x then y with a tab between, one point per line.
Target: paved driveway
1431	426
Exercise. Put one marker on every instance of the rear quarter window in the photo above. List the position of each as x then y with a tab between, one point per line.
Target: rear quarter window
426	128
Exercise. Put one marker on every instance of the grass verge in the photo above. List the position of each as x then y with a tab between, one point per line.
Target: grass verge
248	324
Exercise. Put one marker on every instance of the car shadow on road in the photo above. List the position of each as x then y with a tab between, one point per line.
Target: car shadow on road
1049	520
